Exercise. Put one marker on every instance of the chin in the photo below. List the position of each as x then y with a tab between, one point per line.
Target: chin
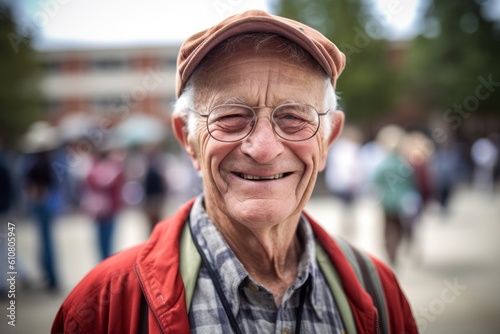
261	213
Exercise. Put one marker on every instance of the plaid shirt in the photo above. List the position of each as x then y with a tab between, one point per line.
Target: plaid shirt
253	304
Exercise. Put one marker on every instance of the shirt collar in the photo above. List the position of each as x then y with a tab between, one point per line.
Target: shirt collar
232	272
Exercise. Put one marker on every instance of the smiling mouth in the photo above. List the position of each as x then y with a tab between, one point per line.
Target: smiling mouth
262	178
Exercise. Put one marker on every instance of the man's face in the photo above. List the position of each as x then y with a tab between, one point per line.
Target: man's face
262	180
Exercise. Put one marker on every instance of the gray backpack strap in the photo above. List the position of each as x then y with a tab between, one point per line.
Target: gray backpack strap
349	253
368	277
190	263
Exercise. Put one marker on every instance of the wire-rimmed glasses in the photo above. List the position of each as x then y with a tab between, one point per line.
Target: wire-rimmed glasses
235	122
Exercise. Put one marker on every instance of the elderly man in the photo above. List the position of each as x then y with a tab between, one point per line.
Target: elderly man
256	113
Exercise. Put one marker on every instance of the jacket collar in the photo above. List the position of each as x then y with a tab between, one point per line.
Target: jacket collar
157	266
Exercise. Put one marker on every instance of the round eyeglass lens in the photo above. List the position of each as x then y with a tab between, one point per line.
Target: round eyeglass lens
230	122
295	122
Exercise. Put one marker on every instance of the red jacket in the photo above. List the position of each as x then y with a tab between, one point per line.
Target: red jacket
108	299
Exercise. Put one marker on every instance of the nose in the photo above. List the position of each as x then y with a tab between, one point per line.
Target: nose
263	145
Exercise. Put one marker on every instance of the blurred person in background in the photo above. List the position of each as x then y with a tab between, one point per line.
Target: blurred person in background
371	154
102	195
7	193
418	149
42	193
343	172
445	166
74	166
184	182
397	189
78	131
495	139
484	154
155	184
256	112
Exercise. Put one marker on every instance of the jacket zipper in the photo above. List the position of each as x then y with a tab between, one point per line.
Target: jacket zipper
146	298
377	325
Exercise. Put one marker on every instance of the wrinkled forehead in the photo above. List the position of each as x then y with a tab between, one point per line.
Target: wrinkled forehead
253	46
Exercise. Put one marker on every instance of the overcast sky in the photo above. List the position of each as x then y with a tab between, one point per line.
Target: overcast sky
119	22
124	21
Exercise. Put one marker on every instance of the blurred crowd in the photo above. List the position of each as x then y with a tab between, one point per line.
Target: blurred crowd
405	171
75	167
68	169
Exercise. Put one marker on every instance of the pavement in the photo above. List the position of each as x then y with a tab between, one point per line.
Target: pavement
450	274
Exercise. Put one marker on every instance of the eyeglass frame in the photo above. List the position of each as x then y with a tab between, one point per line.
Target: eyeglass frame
255	116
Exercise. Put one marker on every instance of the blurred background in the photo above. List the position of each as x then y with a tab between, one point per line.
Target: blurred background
88	161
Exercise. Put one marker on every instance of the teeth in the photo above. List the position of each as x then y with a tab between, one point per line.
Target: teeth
253	177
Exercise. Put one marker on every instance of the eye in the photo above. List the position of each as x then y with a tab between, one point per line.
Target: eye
230	118
294	119
294	113
289	117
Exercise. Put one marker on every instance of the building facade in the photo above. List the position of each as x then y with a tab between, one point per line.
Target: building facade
109	82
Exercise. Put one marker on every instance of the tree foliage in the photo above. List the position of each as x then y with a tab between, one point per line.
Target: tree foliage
20	99
367	85
457	52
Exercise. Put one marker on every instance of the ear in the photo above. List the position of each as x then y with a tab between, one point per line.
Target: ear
337	125
179	125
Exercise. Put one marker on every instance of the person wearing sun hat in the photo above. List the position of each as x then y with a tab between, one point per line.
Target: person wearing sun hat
256	112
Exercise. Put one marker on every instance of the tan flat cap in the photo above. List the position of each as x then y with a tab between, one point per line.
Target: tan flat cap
196	47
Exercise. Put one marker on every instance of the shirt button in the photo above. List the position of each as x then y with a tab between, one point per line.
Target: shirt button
253	287
285	331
